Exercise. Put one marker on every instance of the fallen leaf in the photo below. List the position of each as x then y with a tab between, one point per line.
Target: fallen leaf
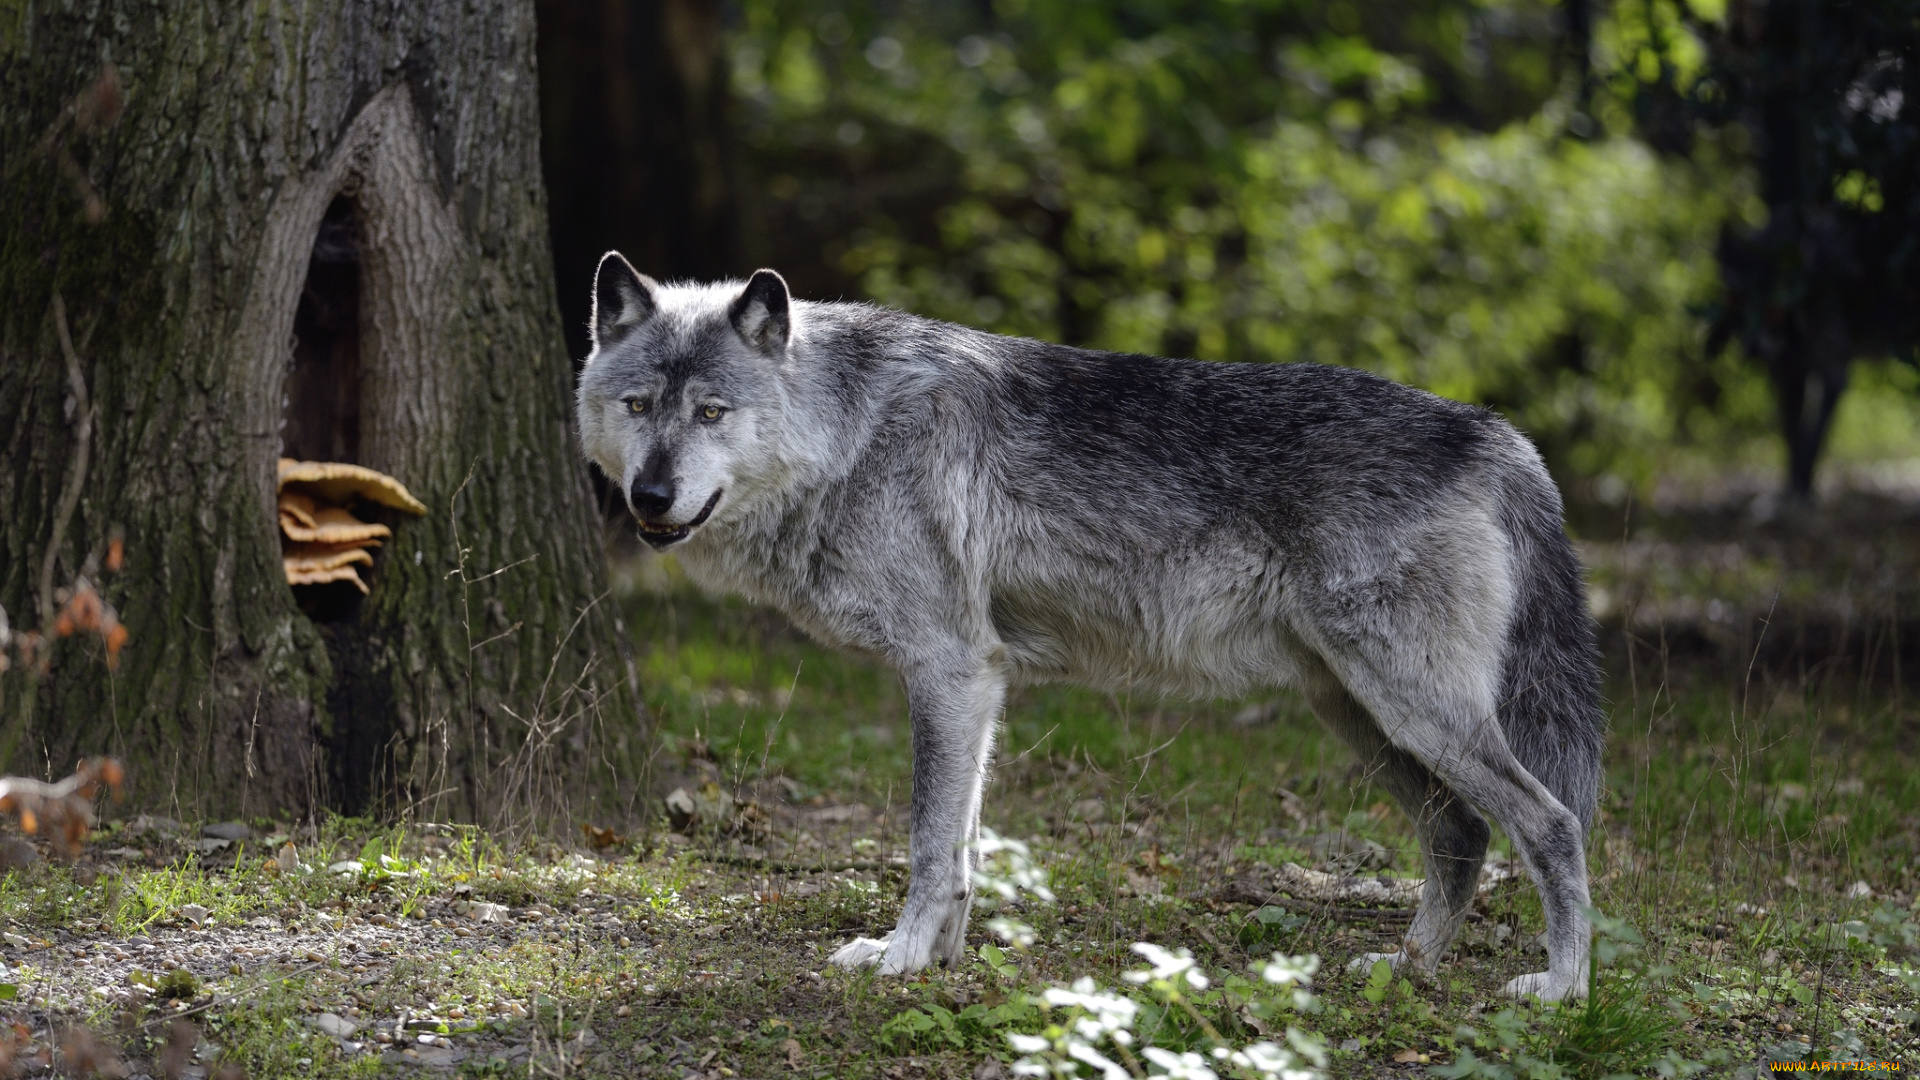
601	838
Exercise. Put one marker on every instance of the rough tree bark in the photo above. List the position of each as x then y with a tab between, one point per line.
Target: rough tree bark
316	227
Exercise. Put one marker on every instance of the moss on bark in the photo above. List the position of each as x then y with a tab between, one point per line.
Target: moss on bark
240	124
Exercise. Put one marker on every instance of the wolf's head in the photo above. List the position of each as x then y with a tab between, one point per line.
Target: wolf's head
681	397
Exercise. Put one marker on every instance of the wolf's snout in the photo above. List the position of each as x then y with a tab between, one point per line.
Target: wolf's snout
651	498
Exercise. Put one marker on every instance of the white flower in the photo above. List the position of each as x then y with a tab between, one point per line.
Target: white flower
1275	1061
1070	1048
1308	1046
1187	1066
1108	1069
1086	994
1166	965
1005	869
1013	932
1106	1015
992	843
1285	970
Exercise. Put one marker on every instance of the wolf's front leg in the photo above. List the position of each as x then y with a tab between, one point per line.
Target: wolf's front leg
954	708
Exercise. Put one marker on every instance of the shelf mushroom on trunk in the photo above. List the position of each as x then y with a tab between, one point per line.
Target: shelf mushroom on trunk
324	541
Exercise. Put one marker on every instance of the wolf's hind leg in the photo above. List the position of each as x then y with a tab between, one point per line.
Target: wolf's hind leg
1457	736
1453	838
954	706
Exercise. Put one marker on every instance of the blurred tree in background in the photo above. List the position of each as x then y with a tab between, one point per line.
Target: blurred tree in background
1565	210
1821	92
634	142
1407	187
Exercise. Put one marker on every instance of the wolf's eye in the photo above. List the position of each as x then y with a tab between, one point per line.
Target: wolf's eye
636	406
711	412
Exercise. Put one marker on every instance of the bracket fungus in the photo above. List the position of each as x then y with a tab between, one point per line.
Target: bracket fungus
338	483
324	540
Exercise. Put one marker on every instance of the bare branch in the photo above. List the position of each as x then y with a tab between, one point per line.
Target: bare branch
77	472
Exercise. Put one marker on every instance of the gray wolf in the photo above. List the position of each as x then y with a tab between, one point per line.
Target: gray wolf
983	512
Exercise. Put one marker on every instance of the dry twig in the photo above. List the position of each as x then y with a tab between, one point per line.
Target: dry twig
65	809
82	445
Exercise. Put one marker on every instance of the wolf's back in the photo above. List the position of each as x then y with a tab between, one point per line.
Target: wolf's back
1550	686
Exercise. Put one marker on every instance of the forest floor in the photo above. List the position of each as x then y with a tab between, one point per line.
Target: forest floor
1756	843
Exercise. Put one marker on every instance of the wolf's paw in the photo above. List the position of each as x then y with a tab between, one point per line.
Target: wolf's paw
1547	986
861	952
890	955
1365	961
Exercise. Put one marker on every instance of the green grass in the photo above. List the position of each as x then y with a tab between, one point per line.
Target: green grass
1736	818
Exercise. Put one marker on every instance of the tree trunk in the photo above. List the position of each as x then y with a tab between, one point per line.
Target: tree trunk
1807	395
633	102
316	228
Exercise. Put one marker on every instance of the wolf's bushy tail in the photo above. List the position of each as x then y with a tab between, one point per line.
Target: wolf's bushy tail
1550	688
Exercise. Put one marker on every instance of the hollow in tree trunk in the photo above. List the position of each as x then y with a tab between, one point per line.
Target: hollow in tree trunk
316	230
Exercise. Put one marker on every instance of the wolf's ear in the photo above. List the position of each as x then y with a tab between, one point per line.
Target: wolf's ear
759	313
622	299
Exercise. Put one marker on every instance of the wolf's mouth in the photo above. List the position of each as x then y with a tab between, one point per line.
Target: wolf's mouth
661	535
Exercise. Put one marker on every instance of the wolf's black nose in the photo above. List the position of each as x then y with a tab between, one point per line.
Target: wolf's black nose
651	498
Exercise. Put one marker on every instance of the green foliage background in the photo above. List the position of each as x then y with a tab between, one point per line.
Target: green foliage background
1422	189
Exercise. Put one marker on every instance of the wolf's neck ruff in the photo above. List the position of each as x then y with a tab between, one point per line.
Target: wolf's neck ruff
982	511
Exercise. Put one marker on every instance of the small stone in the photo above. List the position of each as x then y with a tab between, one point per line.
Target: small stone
158	826
15	852
481	911
227	830
194	913
680	808
333	1024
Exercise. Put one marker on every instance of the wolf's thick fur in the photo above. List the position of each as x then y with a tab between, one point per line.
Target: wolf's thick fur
984	511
